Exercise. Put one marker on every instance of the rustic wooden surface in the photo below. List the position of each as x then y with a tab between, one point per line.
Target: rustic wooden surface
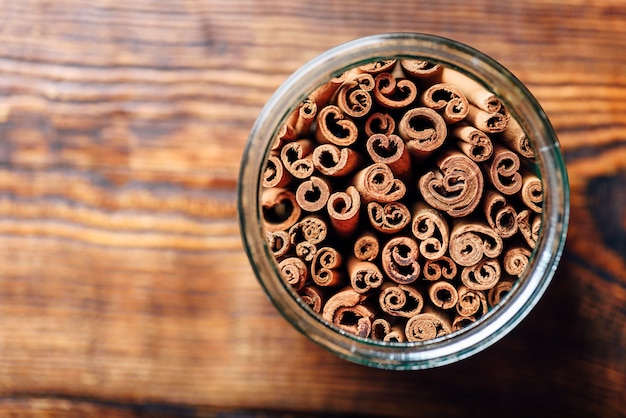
124	288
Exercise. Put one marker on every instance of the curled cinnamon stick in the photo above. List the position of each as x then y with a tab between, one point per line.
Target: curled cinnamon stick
504	171
461	322
440	268
443	294
364	275
333	161
313	194
274	174
485	121
482	276
286	133
456	187
399	260
390	150
333	127
471	302
423	129
379	123
325	267
431	229
345	311
476	94
280	209
294	272
473	142
378	66
311	228
401	300
532	193
448	100
421	69
312	297
499	292
296	158
427	326
366	247
501	216
515	260
516	139
389	218
343	209
471	241
354	98
393	94
278	242
529	228
304	117
306	251
376	182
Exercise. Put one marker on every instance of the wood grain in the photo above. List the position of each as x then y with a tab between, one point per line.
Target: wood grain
124	288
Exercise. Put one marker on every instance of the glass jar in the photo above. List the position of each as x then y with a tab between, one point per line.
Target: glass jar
522	106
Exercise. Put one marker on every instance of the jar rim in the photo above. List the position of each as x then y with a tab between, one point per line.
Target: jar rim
522	105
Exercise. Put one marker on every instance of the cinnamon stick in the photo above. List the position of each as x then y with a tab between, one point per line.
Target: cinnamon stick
461	322
312	297
313	194
456	187
471	302
532	193
401	300
422	70
516	139
528	227
481	276
280	209
366	247
504	171
379	123
473	142
470	242
499	292
427	326
440	268
354	98
325	267
296	158
448	100
515	260
389	218
294	272
311	228
393	94
499	214
364	275
431	229
345	311
390	150
475	93
306	251
278	242
333	127
378	66
424	131
486	121
275	174
443	294
400	260
376	182
332	161
343	209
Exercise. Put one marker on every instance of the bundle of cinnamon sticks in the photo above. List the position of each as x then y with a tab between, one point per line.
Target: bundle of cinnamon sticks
400	200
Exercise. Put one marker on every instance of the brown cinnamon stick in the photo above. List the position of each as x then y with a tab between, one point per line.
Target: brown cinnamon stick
333	127
500	216
471	241
401	300
528	227
366	247
448	100
515	260
499	292
294	272
325	267
389	218
422	70
378	66
481	276
400	260
456	187
296	158
343	209
390	150
393	94
532	193
377	183
345	311
306	251
313	194
278	242
379	123
441	268
431	229
427	326
471	302
424	131
275	174
312	297
485	121
333	161
354	98
516	139
475	93
311	228
280	209
364	275
443	294
504	171
473	142
461	322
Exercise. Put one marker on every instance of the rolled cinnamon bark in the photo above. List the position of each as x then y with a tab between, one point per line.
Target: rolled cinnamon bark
380	328
515	260
499	292
296	158
504	171
294	271
461	322
490	123
325	267
470	242
476	93
364	275
311	228
366	247
401	300
343	209
275	174
324	93
440	268
376	67
280	209
376	182
306	251
427	326
421	70
500	216
333	161
473	142
448	100
424	131
286	133
390	150
379	123
312	297
345	310
471	302
482	276
399	260
532	193
516	139
443	294
278	242
456	187
389	218
393	94
431	229
354	98
312	194
528	227
333	128
306	114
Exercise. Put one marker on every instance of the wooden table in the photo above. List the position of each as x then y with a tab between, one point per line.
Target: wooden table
124	288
